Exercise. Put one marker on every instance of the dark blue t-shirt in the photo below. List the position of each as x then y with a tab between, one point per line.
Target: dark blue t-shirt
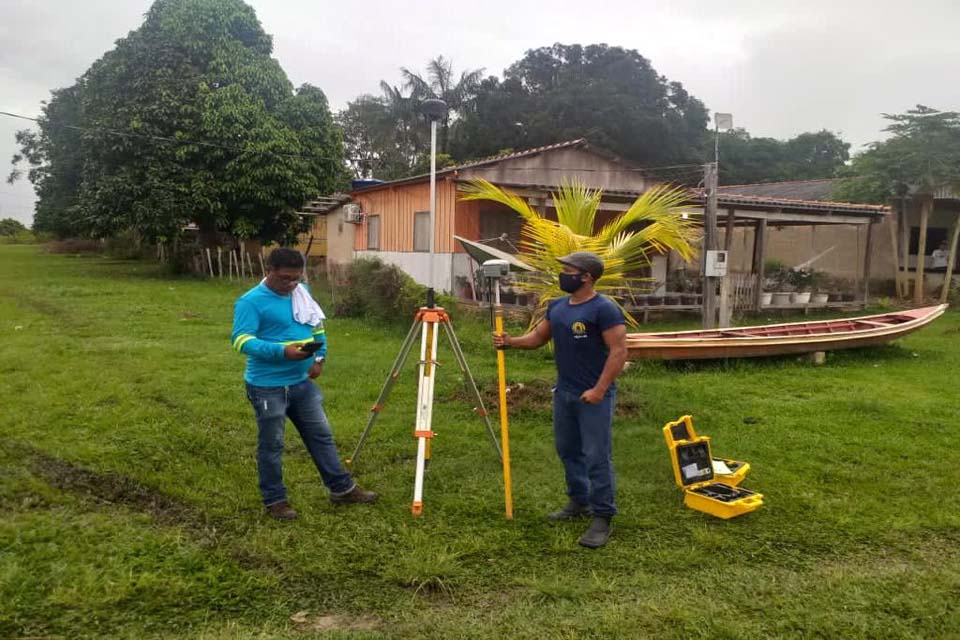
579	349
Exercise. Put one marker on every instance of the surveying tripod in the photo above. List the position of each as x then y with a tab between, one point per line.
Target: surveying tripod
427	322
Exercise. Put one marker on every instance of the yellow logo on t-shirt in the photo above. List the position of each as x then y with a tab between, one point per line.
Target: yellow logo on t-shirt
578	328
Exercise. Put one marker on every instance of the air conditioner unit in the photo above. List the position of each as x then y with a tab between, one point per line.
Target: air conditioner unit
353	213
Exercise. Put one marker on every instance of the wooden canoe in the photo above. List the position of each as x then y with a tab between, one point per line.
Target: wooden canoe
781	339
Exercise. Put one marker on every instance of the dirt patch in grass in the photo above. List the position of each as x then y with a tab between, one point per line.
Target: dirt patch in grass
110	488
536	395
114	489
38	305
305	622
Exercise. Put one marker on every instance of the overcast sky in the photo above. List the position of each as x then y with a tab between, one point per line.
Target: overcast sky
780	67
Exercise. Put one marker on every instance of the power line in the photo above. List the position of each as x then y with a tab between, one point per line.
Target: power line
697	170
145	136
669	173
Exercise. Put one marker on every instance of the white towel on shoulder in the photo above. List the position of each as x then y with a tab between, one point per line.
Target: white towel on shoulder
305	308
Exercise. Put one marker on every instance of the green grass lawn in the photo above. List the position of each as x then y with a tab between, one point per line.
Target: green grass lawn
130	509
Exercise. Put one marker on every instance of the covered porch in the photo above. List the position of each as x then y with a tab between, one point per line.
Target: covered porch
746	222
924	238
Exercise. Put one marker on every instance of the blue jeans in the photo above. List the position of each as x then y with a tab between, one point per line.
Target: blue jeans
583	434
303	404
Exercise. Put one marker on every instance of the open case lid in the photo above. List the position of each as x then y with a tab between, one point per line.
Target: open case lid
692	462
679	429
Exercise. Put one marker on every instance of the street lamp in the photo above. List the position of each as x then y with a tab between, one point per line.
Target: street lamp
435	111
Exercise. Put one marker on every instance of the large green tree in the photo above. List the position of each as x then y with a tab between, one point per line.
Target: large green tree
54	153
387	136
11	227
808	156
190	119
611	95
382	134
441	83
922	154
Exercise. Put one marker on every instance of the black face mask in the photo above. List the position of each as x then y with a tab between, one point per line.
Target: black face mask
570	282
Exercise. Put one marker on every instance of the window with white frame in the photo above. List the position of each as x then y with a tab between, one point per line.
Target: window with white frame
421	231
373	232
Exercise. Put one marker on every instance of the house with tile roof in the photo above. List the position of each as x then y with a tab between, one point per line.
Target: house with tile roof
390	220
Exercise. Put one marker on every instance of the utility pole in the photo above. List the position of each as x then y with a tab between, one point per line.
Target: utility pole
715	262
710	244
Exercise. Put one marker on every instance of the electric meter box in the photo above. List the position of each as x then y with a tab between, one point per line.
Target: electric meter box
694	469
716	264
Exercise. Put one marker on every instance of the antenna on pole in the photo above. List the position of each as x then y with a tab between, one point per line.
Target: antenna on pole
434	110
714	263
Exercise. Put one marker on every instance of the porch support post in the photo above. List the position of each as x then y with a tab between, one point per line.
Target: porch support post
759	255
866	264
904	228
892	223
951	260
728	238
925	206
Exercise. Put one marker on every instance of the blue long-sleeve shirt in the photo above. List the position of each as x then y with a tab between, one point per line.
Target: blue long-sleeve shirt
263	325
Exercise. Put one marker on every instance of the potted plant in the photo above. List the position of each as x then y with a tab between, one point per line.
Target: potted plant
687	285
776	276
819	282
801	279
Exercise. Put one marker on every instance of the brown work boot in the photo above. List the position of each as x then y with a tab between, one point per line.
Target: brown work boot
572	511
281	511
355	495
597	535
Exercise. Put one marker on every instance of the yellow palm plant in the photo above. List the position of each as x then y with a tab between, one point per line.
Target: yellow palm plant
627	243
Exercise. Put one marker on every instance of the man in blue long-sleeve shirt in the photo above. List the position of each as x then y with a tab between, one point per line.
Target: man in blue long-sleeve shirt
278	380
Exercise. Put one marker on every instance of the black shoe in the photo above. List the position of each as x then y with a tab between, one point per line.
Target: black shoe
597	534
355	495
572	511
281	511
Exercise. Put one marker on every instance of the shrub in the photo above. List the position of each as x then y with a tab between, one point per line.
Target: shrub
126	245
776	275
368	287
75	245
20	237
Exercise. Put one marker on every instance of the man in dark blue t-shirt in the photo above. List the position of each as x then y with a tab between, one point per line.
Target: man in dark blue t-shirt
590	348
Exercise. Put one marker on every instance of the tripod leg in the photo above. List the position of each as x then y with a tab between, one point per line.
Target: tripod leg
387	386
471	384
423	432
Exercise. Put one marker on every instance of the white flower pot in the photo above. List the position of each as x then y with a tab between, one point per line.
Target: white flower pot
765	299
780	298
820	298
801	297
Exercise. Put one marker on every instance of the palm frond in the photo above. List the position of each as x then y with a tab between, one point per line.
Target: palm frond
653	224
655	203
440	71
576	206
481	189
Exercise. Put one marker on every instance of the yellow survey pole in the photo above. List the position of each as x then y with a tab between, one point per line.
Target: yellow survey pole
504	420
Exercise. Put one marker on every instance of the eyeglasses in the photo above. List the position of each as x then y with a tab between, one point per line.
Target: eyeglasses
287	279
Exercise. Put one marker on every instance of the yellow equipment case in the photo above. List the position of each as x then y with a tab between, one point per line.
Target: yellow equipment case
696	471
